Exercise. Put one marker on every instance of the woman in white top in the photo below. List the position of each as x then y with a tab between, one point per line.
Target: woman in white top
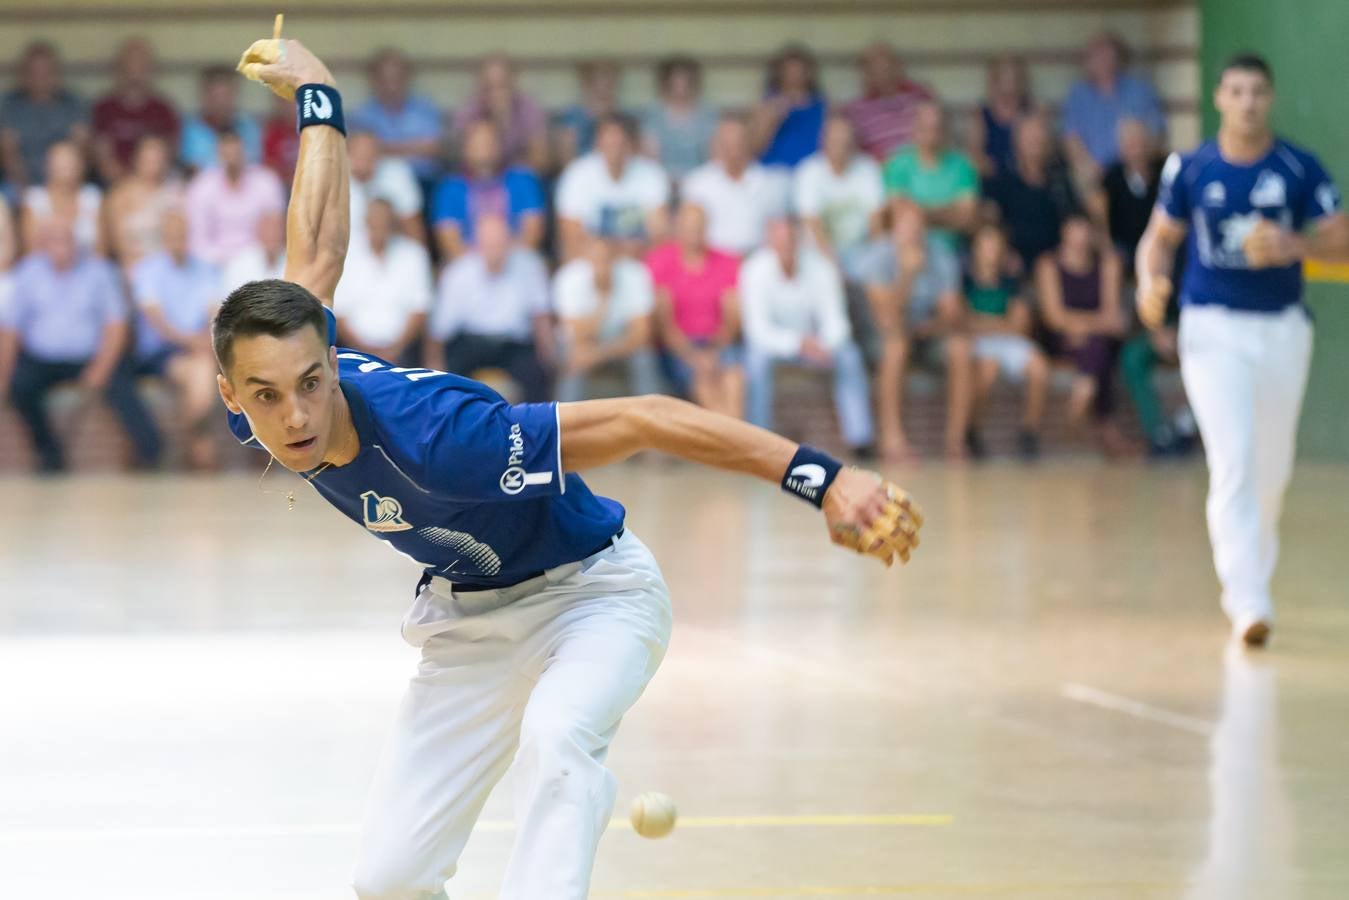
65	197
138	205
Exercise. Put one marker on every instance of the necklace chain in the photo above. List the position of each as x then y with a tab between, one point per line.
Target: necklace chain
290	495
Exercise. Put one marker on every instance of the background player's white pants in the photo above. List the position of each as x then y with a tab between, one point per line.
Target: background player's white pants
541	672
1245	375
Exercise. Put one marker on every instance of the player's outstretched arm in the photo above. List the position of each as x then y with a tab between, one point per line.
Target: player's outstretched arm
863	512
318	220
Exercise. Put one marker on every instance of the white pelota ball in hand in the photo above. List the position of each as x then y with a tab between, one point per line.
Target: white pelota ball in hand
653	814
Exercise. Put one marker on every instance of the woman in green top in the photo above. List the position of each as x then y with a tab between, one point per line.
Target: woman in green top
1000	320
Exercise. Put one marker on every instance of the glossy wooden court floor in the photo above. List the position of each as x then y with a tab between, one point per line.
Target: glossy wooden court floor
194	684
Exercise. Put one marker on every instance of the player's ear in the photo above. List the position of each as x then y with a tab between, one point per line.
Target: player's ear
227	394
332	364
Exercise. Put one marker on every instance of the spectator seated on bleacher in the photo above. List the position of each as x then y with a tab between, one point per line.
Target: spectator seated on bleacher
1035	196
408	126
697	315
576	127
912	283
612	193
486	187
225	202
677	128
218	94
38	113
988	139
522	125
132	111
1096	103
1078	287
794	314
839	196
492	312
66	198
605	305
387	177
883	116
1123	203
67	321
264	257
936	178
785	126
385	290
176	295
998	317
137	205
738	194
280	140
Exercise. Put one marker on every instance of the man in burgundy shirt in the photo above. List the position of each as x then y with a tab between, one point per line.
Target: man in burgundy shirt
883	116
132	110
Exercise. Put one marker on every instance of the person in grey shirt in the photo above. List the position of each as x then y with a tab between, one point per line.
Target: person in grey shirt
912	284
36	115
491	311
677	128
67	321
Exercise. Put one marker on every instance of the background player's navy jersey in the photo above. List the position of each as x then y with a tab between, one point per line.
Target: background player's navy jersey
1221	202
450	474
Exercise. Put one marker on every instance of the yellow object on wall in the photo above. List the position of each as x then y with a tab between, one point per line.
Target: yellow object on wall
1315	270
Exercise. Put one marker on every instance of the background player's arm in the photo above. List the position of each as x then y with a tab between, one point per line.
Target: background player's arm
1154	263
598	432
317	222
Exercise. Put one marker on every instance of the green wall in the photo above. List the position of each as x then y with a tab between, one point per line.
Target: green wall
1304	40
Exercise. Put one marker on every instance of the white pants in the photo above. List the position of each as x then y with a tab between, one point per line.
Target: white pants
539	673
1245	374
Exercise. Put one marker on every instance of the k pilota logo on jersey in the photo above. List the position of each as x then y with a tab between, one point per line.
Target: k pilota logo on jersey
383	514
515	478
317	105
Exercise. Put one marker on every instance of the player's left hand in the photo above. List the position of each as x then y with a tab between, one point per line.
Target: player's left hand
872	516
1270	246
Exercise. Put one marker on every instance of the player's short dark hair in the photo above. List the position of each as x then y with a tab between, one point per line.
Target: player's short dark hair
272	307
1247	61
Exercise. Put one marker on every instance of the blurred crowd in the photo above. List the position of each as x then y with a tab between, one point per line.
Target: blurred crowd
679	248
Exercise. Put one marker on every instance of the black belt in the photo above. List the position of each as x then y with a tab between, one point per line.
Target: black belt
469	588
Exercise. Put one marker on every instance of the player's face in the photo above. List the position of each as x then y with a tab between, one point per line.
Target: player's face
287	387
1244	99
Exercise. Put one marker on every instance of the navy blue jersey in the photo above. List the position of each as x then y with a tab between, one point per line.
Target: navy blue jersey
453	476
1222	201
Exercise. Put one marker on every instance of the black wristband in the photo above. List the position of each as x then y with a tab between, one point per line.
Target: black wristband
319	104
810	474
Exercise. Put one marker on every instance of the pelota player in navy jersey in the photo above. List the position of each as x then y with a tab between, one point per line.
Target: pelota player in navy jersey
1251	206
540	617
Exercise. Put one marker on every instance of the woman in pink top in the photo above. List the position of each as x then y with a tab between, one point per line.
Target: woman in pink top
697	315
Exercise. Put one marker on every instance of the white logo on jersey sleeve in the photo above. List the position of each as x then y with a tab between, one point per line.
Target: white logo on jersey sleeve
1171	169
1328	198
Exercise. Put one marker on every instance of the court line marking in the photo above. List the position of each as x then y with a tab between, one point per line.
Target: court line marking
217	832
877	890
1082	693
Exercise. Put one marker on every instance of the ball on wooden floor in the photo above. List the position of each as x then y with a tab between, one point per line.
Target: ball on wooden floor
653	814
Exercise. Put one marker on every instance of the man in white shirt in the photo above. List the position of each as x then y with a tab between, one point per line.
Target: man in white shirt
613	193
839	195
385	291
738	195
264	258
492	312
389	177
605	303
794	314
